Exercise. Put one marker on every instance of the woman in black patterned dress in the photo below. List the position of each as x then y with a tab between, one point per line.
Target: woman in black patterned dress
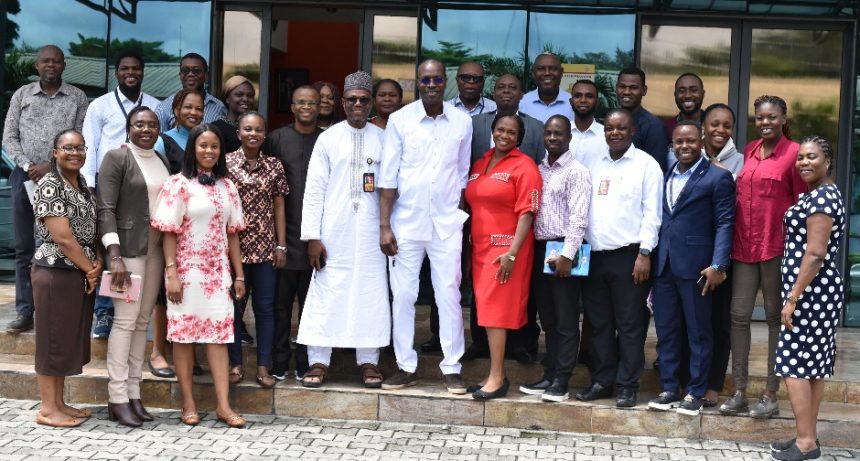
812	290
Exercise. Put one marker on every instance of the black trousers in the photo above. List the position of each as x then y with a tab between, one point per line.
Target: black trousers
617	317
23	222
291	283
557	301
721	321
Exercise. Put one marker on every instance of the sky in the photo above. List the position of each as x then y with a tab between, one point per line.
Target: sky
502	32
59	21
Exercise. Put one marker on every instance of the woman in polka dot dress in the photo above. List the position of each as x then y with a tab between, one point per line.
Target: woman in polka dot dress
812	290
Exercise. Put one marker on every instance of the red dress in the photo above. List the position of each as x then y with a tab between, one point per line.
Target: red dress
498	198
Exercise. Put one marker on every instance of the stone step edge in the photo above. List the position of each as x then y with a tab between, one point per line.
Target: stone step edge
430	404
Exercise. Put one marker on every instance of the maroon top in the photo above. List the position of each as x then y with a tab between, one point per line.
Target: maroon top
766	189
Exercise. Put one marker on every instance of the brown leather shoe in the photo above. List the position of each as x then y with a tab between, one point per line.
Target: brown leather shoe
400	380
454	383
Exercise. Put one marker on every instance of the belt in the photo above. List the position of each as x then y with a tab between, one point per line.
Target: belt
633	247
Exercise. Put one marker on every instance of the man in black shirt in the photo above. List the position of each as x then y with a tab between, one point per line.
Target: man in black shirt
293	145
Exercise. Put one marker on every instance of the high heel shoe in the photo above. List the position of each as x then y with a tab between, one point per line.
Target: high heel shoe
123	413
139	410
498	393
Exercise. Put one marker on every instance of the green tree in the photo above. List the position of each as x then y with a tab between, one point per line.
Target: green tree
95	47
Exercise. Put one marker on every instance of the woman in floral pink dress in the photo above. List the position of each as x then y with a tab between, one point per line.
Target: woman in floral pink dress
200	214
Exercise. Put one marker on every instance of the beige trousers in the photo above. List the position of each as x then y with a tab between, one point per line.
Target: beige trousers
127	340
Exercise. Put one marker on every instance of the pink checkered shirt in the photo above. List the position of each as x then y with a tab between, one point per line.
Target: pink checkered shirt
564	204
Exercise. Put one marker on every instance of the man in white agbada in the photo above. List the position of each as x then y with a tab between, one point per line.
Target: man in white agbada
347	304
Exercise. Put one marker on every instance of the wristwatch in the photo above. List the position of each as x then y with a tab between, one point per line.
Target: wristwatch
281	248
511	258
719	267
644	252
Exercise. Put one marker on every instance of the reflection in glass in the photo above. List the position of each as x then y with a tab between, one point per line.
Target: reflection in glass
495	38
804	67
243	35
669	51
593	47
162	32
395	40
852	203
78	30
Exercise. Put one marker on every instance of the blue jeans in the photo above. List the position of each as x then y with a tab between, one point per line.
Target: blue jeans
25	245
260	281
104	306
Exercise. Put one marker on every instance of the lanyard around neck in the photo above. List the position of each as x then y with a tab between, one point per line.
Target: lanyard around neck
122	108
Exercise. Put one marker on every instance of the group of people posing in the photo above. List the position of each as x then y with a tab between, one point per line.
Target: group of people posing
196	206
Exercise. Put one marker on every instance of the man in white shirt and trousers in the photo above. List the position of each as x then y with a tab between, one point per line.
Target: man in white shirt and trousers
347	303
425	166
624	221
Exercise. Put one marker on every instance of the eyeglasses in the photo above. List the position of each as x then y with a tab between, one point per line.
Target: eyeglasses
353	100
142	125
437	80
467	78
82	149
306	103
191	70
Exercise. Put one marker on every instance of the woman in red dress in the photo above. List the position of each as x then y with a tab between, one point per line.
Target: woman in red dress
504	194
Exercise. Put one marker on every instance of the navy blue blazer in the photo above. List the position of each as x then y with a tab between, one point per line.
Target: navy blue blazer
698	231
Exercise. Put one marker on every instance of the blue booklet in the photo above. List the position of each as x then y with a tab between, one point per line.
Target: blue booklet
580	265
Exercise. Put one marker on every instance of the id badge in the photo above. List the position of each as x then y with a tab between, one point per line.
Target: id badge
369	183
603	188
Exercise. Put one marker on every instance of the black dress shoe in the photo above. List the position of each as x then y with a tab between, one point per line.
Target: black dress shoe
21	324
498	393
139	410
475	352
432	345
596	391
123	413
627	398
166	372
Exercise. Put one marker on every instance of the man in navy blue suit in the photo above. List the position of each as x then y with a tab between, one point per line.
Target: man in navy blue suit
693	250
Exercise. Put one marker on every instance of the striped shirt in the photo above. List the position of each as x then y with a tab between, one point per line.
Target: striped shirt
565	199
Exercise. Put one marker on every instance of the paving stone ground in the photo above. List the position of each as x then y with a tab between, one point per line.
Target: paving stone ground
277	437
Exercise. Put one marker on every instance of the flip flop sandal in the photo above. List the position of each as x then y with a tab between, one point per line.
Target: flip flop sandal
317	371
237	376
266	381
370	376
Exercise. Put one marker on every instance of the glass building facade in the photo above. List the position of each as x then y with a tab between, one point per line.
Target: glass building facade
802	50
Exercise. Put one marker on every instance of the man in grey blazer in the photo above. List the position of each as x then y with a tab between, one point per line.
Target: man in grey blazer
507	93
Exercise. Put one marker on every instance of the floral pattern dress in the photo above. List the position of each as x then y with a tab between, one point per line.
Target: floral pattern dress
201	216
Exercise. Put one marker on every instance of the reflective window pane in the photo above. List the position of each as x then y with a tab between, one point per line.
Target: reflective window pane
803	67
590	46
162	31
669	51
495	38
243	35
77	29
395	44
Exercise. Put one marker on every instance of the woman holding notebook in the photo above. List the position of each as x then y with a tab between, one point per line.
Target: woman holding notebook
130	179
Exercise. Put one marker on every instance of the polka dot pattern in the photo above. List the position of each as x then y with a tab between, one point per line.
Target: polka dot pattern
808	350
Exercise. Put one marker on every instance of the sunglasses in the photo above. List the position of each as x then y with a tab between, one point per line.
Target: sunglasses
353	100
467	78
191	70
437	80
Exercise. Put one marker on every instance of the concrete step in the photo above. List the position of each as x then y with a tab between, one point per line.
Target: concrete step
837	389
428	402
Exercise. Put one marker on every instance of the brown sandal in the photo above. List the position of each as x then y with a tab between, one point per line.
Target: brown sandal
317	371
189	419
370	376
237	374
266	381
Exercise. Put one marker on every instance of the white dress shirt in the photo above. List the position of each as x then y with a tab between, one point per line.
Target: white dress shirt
427	160
626	199
104	127
588	143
